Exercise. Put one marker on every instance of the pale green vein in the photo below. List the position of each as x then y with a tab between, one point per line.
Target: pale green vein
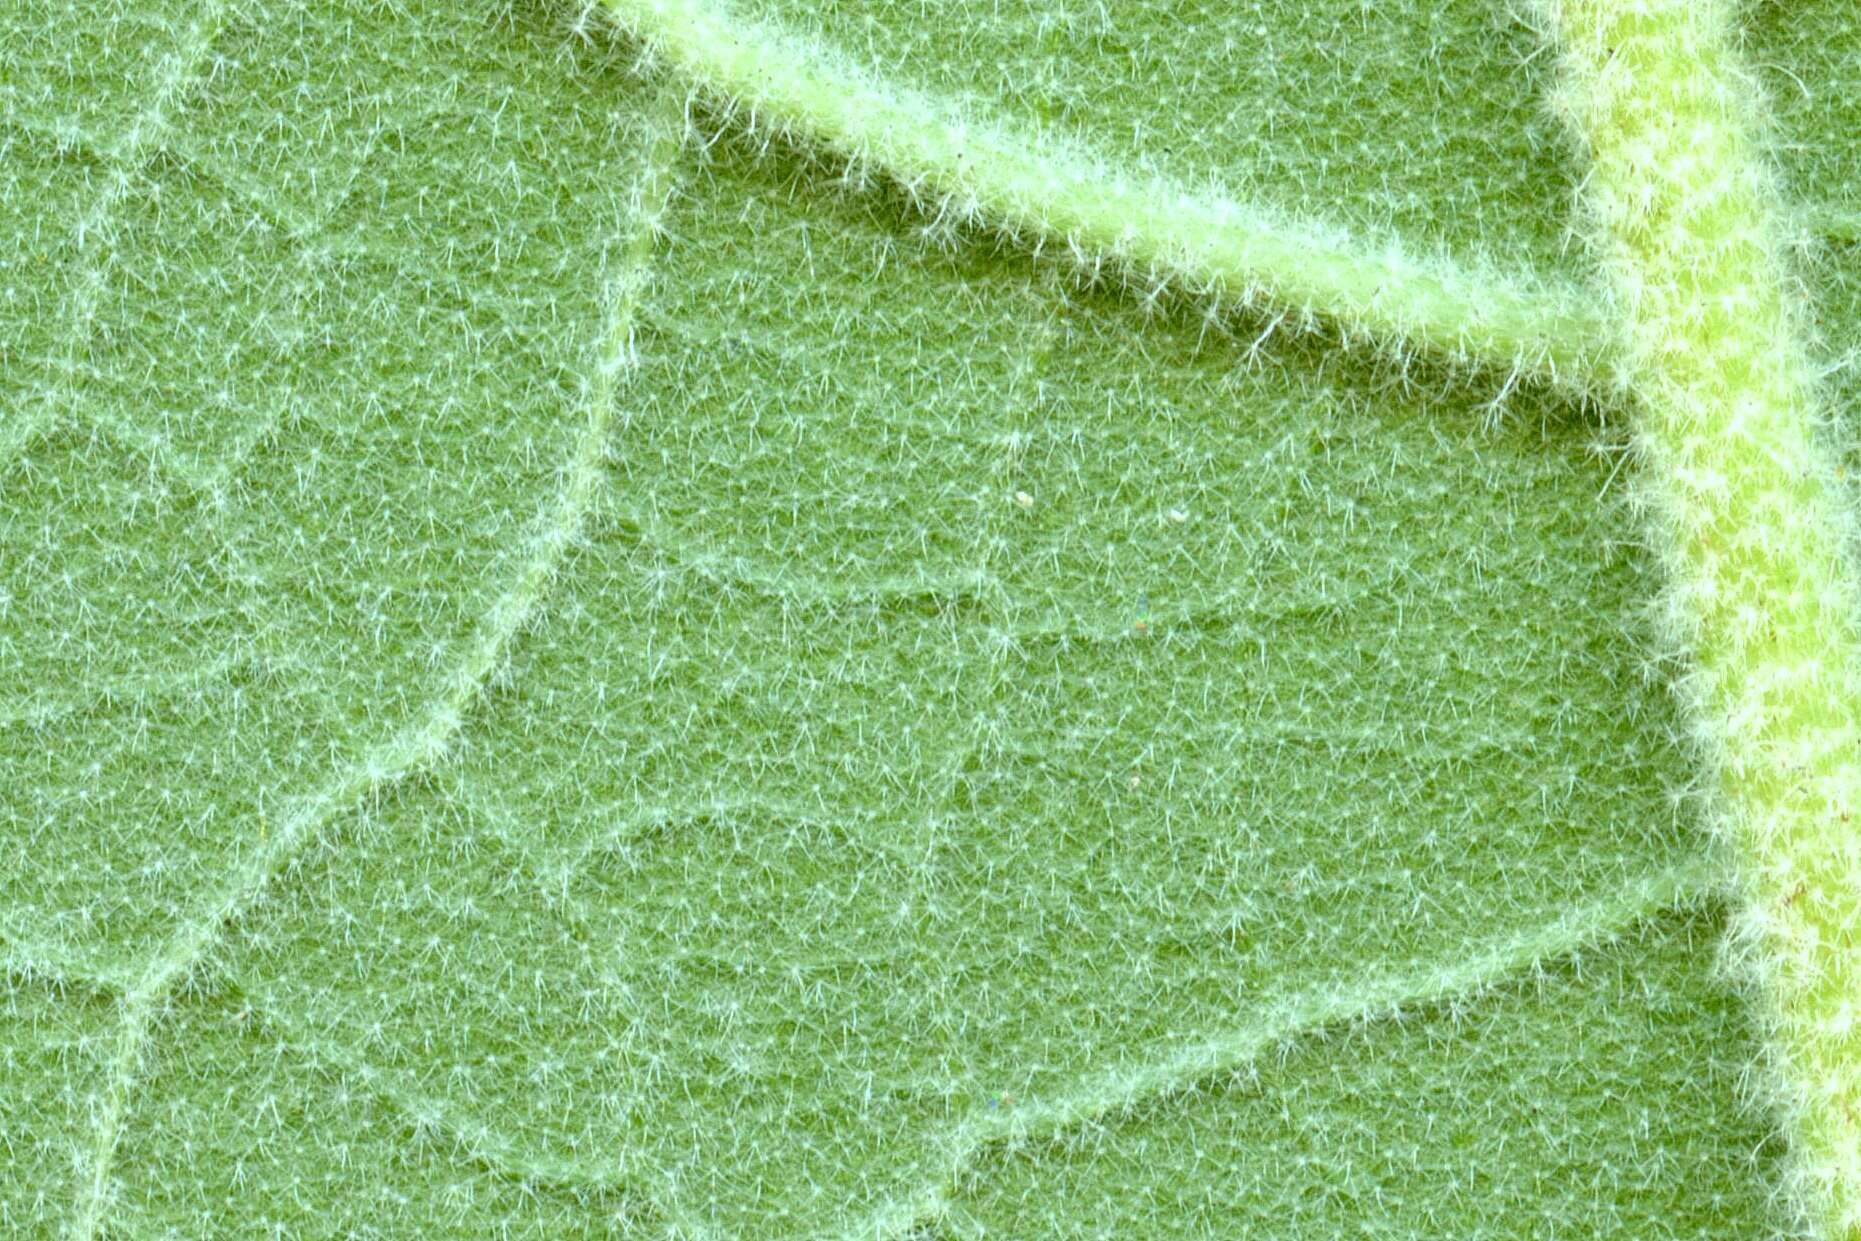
1831	220
1368	999
1109	1094
311	232
64	136
426	739
481	1142
886	836
477	1141
734	571
174	77
1042	189
140	689
875	399
208	478
24	956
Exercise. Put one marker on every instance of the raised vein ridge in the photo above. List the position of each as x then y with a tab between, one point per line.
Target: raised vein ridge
424	739
1762	598
1369	998
1046	190
174	76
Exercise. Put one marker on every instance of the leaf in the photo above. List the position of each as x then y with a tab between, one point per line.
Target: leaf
567	669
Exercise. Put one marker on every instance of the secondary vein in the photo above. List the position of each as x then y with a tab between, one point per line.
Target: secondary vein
1376	996
1039	187
425	739
174	77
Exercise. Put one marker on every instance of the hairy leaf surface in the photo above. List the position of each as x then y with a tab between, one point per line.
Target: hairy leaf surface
567	669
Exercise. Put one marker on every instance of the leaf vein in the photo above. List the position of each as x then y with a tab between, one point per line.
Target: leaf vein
411	748
147	130
976	169
1368	999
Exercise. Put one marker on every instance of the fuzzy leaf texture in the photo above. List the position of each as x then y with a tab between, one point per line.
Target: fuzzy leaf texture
1056	648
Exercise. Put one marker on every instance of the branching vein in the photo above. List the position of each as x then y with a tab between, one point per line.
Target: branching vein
425	739
25	957
1371	998
174	77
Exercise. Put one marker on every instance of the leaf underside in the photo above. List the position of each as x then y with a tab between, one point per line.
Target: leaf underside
565	675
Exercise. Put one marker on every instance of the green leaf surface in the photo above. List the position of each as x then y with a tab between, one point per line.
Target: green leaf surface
568	670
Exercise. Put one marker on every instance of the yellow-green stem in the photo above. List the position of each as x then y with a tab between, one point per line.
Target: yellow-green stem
1762	599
